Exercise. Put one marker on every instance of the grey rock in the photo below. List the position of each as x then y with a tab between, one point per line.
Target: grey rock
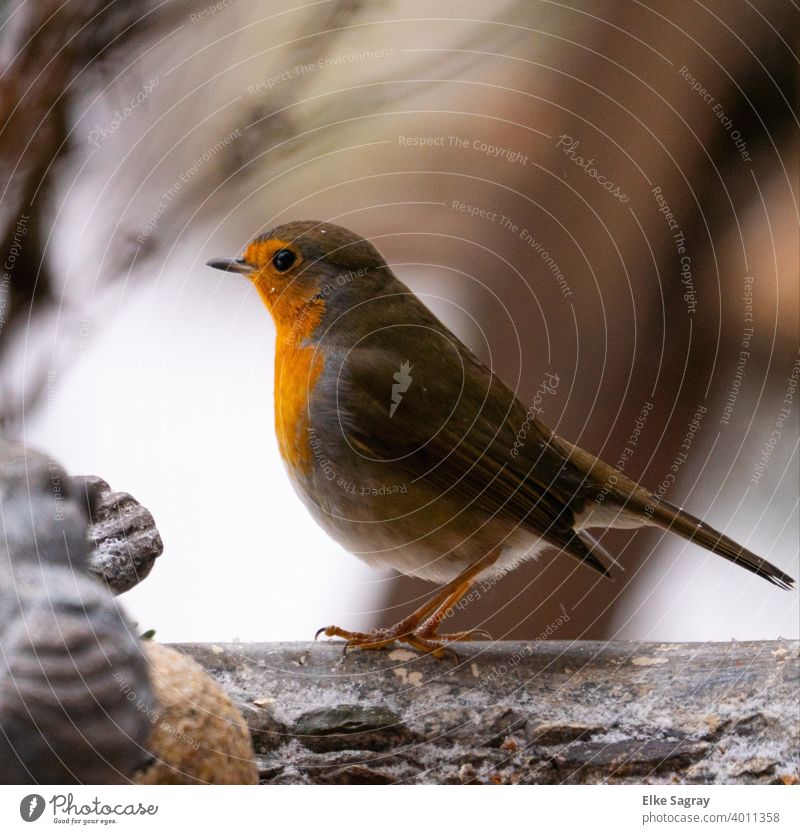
123	535
559	732
348	727
74	689
544	712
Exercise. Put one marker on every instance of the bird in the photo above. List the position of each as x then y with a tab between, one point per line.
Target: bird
406	448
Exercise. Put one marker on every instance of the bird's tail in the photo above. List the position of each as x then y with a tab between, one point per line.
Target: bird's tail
676	520
637	506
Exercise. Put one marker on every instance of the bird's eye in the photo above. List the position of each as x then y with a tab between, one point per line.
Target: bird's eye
283	259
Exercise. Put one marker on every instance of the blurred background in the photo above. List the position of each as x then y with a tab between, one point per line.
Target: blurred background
602	196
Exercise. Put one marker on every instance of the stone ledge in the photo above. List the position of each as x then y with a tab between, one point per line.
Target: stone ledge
517	712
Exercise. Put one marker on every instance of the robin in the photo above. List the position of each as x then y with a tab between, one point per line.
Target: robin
407	449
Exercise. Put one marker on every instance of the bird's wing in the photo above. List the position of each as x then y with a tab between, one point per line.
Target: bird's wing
455	424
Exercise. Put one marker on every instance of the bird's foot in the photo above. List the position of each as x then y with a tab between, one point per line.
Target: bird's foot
429	631
424	638
376	638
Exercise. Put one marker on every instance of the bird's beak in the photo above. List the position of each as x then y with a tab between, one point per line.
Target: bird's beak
230	265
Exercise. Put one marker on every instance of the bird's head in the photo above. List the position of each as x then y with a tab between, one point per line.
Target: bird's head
301	269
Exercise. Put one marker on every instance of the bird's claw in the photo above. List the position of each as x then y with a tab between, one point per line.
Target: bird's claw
375	639
424	639
474	634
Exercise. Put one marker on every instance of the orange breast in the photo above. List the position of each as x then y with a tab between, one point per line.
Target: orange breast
297	370
298	366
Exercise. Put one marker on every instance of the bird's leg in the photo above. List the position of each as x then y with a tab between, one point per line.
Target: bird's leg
430	628
419	629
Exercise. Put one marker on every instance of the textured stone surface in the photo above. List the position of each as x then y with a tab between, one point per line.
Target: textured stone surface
540	712
199	736
123	535
68	655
